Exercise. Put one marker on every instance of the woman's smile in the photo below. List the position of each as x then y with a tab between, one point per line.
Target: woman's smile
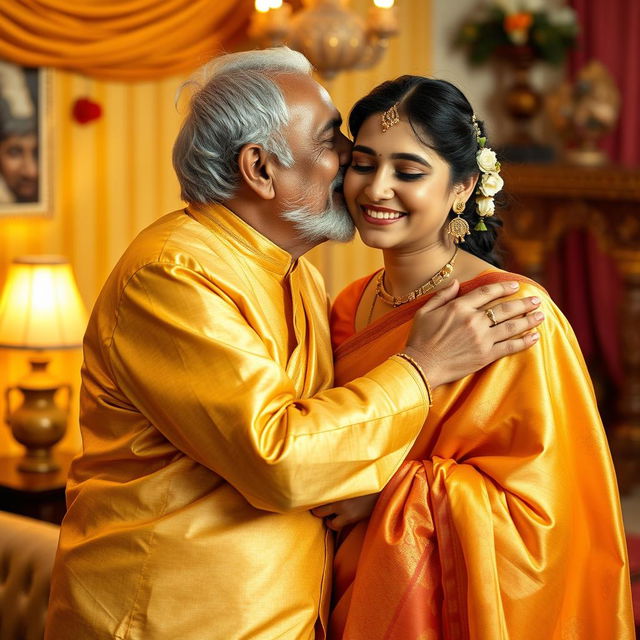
374	214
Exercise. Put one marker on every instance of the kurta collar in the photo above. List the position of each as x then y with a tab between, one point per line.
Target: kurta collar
243	236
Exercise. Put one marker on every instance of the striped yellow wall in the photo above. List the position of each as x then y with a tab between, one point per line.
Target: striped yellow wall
410	53
113	177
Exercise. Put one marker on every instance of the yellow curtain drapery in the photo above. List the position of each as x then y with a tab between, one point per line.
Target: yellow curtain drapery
120	39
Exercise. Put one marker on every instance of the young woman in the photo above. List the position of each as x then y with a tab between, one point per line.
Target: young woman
504	521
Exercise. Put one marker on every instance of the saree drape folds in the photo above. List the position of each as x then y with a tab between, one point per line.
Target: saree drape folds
209	429
504	522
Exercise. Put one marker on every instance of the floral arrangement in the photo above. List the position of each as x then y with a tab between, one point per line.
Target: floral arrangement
547	32
489	183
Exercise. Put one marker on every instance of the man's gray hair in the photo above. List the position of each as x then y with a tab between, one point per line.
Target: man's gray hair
236	102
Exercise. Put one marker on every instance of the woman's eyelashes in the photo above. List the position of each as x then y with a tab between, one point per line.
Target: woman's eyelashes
362	168
407	176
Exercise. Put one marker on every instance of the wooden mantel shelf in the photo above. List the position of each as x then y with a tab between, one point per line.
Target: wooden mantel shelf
544	202
601	183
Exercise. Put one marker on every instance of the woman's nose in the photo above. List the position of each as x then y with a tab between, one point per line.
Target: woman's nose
379	187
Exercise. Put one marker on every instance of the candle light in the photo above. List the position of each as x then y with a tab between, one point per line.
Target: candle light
383	18
332	36
270	22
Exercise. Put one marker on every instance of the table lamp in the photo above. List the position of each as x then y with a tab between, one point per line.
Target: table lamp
40	309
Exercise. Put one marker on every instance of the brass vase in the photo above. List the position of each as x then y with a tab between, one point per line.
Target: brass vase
38	423
522	102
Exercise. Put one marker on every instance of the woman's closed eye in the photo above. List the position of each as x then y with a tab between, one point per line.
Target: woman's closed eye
362	168
407	176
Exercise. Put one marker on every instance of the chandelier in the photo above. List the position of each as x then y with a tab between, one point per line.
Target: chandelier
327	32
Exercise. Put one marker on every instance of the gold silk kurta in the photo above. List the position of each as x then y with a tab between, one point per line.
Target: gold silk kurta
209	429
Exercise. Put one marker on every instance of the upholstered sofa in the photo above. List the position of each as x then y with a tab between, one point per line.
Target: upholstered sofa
27	550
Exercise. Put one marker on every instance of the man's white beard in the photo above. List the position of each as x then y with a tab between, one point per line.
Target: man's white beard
334	223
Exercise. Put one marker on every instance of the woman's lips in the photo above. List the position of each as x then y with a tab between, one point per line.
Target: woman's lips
380	215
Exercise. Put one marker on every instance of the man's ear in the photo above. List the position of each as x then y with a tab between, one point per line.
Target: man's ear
256	170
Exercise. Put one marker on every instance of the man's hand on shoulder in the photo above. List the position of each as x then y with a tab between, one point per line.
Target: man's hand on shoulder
453	337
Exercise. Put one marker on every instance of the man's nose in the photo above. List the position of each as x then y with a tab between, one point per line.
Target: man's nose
30	166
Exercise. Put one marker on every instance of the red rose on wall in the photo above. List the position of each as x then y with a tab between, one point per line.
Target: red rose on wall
86	110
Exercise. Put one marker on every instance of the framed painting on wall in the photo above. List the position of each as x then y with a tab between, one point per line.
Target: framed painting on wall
24	141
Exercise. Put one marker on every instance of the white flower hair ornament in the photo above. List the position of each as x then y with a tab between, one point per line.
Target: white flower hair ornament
490	181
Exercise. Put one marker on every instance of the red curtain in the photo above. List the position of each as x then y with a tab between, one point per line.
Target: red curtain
580	276
609	33
585	283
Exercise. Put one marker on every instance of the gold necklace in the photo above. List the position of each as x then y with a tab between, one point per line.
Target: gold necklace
430	284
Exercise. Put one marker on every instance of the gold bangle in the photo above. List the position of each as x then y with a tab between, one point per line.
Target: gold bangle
420	370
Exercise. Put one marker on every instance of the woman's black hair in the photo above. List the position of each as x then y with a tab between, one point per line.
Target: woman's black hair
441	118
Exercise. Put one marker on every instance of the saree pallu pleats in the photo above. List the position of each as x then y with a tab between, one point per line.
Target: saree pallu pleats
504	521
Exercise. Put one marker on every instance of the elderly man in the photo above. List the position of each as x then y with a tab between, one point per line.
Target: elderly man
209	424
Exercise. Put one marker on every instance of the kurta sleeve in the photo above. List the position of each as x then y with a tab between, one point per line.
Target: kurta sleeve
185	356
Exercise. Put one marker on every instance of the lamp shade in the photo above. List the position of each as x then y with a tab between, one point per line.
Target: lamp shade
41	306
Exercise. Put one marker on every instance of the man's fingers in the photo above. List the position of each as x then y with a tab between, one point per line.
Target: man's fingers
514	308
335	524
442	297
515	326
323	511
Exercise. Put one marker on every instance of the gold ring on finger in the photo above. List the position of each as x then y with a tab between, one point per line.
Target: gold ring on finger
492	317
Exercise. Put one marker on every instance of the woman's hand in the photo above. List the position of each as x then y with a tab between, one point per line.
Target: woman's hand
344	512
453	337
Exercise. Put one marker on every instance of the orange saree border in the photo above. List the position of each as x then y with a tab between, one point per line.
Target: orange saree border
402	314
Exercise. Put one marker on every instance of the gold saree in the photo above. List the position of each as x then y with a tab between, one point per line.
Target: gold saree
504	521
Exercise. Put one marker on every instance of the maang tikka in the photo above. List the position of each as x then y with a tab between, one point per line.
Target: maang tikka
390	117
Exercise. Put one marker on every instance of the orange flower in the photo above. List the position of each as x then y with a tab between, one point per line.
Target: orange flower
517	22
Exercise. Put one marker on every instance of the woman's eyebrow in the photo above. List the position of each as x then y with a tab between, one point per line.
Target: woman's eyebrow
412	157
362	149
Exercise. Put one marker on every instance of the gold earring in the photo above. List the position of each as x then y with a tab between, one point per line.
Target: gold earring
458	227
